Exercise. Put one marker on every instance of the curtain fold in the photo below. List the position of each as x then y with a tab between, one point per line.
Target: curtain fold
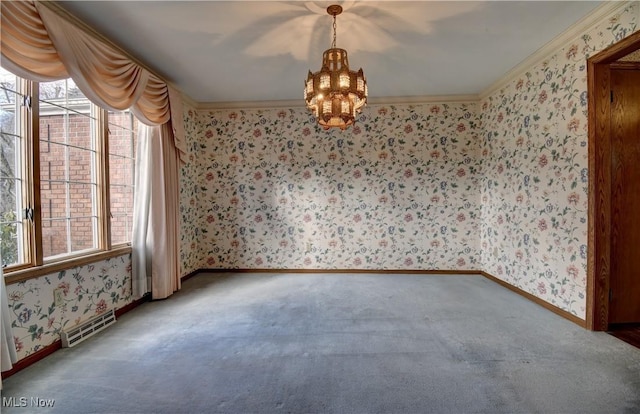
26	47
153	105
39	44
8	354
165	225
140	247
156	227
177	122
104	74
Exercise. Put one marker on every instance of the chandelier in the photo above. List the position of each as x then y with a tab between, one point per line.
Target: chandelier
335	94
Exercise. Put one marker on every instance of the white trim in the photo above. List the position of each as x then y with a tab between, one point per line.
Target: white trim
292	103
424	99
299	103
596	16
187	101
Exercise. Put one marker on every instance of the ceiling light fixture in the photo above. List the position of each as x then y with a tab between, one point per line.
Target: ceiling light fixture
335	94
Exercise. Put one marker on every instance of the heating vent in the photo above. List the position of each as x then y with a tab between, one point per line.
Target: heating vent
89	328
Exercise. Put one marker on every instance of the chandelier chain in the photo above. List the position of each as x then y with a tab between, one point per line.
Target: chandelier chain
334	31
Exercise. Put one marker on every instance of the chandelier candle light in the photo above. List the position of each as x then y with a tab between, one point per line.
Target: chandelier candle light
335	94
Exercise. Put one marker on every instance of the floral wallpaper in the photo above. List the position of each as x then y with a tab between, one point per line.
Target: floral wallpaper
189	193
398	190
87	290
534	171
499	186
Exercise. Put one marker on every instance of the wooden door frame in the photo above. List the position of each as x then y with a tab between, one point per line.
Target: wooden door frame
599	144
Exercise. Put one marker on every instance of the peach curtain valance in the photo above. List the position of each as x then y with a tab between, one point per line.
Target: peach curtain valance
39	44
26	47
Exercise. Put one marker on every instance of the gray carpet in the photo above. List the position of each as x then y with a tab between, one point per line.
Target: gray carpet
337	343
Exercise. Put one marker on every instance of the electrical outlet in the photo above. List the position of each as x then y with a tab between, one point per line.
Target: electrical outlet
58	297
309	247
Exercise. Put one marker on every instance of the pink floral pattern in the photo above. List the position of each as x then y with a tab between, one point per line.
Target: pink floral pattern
399	190
87	291
535	177
190	228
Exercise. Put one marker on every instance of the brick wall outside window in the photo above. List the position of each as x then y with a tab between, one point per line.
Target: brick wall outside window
121	175
58	177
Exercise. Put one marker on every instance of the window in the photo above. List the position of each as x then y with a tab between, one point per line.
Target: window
122	144
69	193
11	182
68	177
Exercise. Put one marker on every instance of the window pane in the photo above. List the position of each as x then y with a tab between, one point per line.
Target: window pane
62	236
9	85
68	179
121	171
11	241
81	234
53	163
121	214
53	199
54	237
81	197
11	182
122	127
80	165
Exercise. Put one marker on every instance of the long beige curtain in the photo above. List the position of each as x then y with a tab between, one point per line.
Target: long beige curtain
40	44
158	233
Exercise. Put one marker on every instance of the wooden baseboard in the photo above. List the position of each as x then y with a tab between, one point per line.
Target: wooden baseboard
50	349
379	271
560	312
33	358
126	308
190	275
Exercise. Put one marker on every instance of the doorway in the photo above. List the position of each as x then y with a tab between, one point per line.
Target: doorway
613	264
624	296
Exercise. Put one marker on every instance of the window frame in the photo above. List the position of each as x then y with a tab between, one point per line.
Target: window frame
35	265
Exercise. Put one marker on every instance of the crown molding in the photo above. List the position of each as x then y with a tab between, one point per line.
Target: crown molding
299	103
290	103
187	100
424	99
577	29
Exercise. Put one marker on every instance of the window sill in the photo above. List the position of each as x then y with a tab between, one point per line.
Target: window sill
34	272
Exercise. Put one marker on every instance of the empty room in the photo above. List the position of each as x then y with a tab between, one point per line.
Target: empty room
320	206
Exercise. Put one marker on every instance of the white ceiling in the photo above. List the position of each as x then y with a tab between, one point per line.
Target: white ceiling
230	51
